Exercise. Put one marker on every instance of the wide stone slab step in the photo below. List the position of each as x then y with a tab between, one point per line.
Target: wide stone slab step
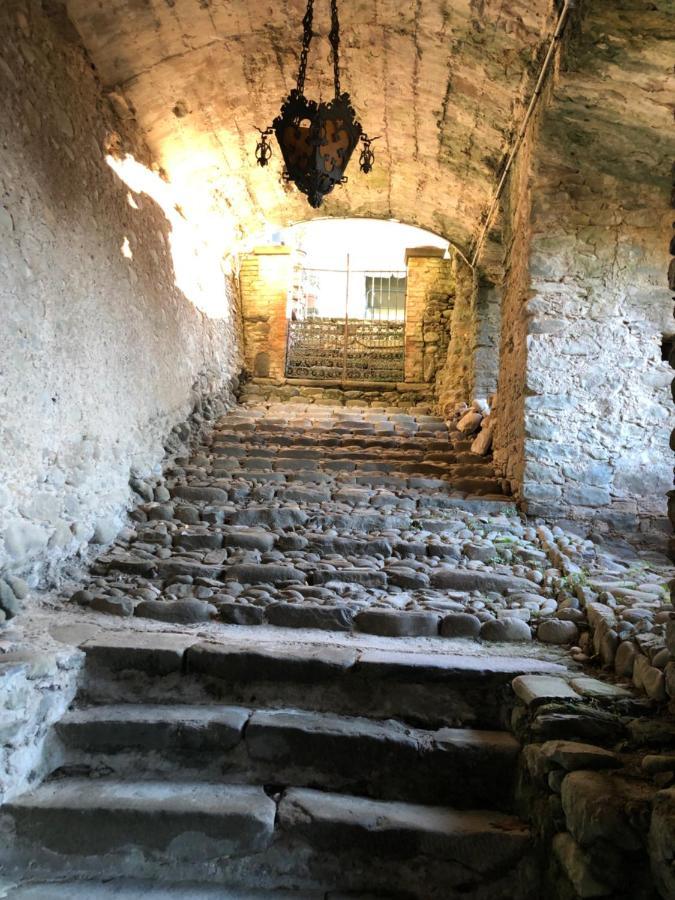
384	759
137	890
85	817
420	688
153	727
483	842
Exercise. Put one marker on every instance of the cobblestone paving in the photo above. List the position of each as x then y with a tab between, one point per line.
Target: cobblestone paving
374	520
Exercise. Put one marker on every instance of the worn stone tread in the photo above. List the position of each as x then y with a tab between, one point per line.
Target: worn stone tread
153	726
126	890
482	841
299	661
81	816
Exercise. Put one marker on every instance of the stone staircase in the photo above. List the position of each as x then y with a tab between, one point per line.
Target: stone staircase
294	769
320	518
278	741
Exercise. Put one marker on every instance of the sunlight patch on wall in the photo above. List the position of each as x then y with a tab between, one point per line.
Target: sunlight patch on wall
197	247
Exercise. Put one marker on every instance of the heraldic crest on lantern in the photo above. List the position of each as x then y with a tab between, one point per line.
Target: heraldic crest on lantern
317	140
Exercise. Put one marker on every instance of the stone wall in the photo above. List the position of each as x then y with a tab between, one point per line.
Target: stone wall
584	412
456	378
597	386
509	419
37	686
430	298
265	279
487	328
671	285
100	353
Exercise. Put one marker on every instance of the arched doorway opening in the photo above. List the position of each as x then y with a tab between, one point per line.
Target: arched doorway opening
355	301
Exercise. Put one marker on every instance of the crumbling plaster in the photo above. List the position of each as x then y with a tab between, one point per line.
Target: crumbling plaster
100	353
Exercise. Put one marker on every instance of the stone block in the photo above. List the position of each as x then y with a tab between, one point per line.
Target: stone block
662	842
536	689
471	579
239	613
460	625
293	615
575	863
363	576
397	623
605	807
509	628
557	631
409	579
572	755
264	573
594	689
88	817
154	653
481	842
199	494
278	663
183	612
625	659
159	728
249	539
113	606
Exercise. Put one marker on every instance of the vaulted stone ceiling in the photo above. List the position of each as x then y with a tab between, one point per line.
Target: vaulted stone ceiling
442	81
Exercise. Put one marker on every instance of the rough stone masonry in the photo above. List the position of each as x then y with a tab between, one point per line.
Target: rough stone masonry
286	646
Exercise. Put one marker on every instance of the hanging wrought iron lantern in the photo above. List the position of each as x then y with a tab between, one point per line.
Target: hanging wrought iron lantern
316	139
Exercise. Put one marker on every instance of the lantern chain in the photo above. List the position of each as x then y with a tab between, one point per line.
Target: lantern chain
334	38
306	41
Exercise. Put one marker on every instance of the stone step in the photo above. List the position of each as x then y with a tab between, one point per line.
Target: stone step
206	536
286	439
481	842
354	455
352	570
359	520
235	835
465	768
426	689
95	816
450	480
139	890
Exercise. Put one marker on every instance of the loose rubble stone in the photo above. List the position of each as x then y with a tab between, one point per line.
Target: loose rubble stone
571	755
536	689
114	606
576	865
603	807
662	841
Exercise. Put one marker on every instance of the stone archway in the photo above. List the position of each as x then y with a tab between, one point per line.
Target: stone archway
441	83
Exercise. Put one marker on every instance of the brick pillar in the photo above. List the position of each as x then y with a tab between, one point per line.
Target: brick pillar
264	281
429	298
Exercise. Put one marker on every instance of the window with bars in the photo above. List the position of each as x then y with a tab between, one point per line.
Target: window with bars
385	296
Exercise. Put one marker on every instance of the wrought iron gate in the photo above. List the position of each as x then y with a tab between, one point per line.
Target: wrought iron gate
346	325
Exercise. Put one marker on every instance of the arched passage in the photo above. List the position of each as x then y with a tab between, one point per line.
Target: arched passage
442	83
348	301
